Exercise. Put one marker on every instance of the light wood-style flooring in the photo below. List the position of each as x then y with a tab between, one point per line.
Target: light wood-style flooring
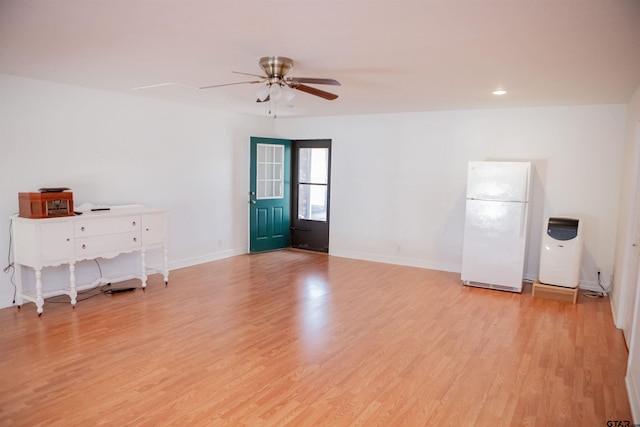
296	338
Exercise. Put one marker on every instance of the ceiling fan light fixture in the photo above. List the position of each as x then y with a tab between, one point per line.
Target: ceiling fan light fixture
263	92
288	94
499	92
275	92
275	85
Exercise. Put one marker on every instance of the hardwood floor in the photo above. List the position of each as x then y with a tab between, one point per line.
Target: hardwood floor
295	338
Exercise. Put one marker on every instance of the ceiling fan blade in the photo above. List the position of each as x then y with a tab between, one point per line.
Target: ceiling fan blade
249	74
231	84
264	100
315	81
314	91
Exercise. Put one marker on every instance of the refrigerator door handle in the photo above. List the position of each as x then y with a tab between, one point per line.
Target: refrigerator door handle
523	218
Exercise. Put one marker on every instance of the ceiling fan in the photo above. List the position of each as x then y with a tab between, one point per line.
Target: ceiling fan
278	85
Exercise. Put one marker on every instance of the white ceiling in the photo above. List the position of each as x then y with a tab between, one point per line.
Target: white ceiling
389	55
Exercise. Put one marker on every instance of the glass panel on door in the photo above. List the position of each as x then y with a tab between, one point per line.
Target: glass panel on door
270	176
312	202
313	177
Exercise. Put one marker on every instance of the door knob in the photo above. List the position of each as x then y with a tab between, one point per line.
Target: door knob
253	202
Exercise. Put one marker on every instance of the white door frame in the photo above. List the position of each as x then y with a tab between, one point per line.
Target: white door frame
632	378
629	280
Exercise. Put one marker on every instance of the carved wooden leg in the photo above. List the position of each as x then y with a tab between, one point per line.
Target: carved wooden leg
72	284
39	298
18	271
143	261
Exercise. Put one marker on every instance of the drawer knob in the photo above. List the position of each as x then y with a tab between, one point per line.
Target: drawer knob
135	239
133	223
81	228
146	229
68	239
84	246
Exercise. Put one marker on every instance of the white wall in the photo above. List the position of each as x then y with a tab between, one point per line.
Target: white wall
116	149
398	180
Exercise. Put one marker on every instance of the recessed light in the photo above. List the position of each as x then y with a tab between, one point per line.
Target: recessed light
499	92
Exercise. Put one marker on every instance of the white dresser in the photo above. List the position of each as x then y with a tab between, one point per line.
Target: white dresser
48	242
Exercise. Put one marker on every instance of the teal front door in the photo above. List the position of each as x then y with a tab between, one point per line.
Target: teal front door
269	193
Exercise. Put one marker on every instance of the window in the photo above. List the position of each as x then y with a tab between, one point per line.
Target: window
313	178
270	176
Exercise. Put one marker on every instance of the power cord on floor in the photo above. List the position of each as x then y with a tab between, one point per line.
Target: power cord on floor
594	294
10	266
103	291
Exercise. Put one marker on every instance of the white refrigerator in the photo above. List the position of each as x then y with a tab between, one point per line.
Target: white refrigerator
496	222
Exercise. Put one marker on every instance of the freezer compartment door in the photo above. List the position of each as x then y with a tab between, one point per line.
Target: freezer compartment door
494	242
501	181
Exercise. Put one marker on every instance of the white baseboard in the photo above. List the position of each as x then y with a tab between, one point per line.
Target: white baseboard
201	259
634	398
388	259
614	311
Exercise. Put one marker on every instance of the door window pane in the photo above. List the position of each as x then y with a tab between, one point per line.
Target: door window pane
313	165
270	176
312	202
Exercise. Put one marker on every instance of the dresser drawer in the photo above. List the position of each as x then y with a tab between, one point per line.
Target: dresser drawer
97	226
107	246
